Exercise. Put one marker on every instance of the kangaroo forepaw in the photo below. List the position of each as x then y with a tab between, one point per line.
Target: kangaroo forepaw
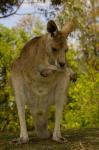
46	72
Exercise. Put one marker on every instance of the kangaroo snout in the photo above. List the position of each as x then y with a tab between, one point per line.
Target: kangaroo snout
62	64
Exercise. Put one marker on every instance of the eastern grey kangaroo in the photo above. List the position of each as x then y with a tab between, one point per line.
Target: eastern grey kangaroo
40	78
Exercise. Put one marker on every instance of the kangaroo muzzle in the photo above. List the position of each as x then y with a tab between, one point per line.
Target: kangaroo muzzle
62	64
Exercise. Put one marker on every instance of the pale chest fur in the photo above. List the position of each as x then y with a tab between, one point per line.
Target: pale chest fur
43	85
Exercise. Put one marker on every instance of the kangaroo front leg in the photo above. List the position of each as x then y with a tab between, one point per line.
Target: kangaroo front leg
21	113
58	116
60	98
23	130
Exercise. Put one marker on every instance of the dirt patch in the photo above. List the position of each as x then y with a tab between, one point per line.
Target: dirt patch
78	139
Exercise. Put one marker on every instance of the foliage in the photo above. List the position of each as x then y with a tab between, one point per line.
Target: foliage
83	106
32	25
10	46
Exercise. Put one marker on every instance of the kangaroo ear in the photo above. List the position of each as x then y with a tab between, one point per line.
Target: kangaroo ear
68	28
52	28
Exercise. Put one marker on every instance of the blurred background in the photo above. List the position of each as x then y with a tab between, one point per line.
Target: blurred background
21	20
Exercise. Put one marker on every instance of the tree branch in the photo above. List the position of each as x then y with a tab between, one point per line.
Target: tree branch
12	12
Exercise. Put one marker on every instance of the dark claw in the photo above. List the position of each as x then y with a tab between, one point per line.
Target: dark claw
73	77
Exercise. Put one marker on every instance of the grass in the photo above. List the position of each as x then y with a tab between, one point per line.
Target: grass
78	139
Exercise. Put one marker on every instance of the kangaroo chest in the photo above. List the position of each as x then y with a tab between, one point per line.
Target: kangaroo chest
40	85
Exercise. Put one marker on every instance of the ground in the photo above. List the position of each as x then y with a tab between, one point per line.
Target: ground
78	139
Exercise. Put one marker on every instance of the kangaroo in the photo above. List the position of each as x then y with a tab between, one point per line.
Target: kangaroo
40	78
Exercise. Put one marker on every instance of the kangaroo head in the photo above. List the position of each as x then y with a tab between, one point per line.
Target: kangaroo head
57	44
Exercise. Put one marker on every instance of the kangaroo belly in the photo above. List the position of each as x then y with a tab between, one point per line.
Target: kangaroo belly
40	88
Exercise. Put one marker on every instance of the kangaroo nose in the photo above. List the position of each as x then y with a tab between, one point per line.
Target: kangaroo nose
62	64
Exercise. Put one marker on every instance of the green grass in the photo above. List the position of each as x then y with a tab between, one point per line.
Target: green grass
78	139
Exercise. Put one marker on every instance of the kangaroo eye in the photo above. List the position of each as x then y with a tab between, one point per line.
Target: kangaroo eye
54	49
